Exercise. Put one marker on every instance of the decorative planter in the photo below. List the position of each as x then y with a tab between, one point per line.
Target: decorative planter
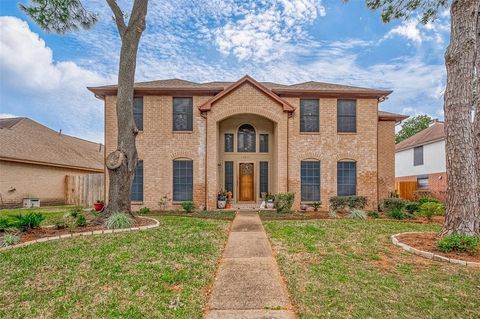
98	206
227	205
303	207
269	204
221	204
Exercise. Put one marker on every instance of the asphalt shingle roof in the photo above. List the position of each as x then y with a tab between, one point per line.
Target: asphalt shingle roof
432	133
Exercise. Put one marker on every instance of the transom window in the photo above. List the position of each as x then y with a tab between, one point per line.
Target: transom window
182	180
346	178
309	116
138	112
246	137
137	185
310	181
347	116
182	114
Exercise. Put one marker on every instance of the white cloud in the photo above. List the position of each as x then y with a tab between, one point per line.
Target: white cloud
408	29
413	30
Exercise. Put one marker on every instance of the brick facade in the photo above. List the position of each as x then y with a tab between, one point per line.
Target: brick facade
437	184
372	146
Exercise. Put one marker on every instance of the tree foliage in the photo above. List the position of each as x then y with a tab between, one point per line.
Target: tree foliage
59	16
412	126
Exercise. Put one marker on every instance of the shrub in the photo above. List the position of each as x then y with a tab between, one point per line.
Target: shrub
397	213
119	220
4	223
373	214
459	243
412	207
81	221
430	209
357	213
60	223
422	193
392	203
316	205
29	221
284	202
74	212
188	206
347	203
424	200
9	240
144	210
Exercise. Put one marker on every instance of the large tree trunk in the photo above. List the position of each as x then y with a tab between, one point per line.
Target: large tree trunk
476	129
462	214
121	163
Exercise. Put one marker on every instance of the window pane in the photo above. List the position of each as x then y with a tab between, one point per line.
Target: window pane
423	183
310	181
346	115
263	177
346	178
246	138
137	185
182	180
264	143
138	112
228	142
309	116
229	176
182	114
418	156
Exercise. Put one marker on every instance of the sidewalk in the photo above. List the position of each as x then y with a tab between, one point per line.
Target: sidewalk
248	284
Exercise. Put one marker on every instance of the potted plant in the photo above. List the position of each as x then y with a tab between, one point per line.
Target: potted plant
303	207
229	198
270	198
316	205
98	205
221	199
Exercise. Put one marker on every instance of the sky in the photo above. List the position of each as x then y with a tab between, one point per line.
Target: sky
44	76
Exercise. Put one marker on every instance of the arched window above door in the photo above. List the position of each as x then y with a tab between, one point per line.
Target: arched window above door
246	138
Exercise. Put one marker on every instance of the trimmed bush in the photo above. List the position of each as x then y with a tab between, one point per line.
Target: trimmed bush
348	203
358	214
424	200
460	243
119	220
188	206
29	221
373	214
392	203
144	210
283	202
81	221
430	209
9	240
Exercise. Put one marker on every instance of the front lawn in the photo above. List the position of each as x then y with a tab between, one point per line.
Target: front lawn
51	213
159	273
350	269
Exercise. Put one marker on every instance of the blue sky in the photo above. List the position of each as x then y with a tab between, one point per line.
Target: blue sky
44	76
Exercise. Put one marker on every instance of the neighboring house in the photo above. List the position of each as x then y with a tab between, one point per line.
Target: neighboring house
315	139
34	161
421	159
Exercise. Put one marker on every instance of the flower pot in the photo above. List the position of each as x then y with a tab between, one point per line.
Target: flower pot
227	205
98	206
221	204
303	207
270	204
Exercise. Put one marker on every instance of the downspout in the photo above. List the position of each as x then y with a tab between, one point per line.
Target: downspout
204	115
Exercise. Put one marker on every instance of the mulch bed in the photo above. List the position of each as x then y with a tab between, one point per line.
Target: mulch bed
427	242
42	232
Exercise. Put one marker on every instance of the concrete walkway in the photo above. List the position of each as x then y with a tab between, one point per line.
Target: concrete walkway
248	283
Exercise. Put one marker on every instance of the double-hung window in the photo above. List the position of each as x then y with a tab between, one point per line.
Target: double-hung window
309	115
138	112
347	116
182	114
310	181
182	180
137	185
346	178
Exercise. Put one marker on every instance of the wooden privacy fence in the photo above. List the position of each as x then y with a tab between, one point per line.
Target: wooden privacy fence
406	190
84	190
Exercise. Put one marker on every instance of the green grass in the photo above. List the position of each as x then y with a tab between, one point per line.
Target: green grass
127	275
350	269
51	213
209	214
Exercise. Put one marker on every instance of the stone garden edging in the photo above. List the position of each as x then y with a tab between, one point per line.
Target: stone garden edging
429	255
82	234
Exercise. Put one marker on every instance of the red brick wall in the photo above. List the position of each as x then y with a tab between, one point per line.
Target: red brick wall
437	184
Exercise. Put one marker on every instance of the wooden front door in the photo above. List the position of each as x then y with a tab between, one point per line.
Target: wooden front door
246	182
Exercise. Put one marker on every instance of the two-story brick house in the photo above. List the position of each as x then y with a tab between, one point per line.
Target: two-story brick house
315	139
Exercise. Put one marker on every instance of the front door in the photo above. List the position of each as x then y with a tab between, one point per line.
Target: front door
246	182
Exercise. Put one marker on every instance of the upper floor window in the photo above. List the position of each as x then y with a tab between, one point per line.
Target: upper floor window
137	185
309	116
347	116
228	142
138	112
182	114
264	143
310	181
346	178
182	180
418	155
246	138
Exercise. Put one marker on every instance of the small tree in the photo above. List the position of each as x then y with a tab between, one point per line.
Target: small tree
412	126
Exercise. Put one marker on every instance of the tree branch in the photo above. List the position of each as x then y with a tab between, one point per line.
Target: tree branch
119	20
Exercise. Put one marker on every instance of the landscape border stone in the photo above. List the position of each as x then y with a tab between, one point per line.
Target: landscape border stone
427	254
86	233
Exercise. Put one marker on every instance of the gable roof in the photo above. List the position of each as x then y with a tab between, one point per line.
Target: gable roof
175	86
433	133
287	107
24	140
